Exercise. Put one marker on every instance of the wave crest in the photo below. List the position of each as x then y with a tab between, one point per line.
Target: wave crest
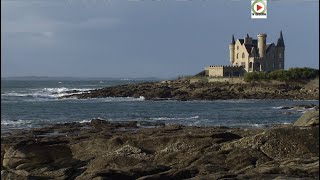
46	93
175	118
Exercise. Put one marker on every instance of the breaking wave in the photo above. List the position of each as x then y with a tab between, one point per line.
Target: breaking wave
277	107
120	99
45	93
174	118
19	122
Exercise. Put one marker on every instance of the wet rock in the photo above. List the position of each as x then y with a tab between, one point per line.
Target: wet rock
184	91
123	151
99	122
309	118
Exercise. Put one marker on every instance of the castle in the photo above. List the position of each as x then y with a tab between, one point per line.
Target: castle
249	55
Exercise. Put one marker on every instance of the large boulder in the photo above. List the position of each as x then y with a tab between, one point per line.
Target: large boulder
309	118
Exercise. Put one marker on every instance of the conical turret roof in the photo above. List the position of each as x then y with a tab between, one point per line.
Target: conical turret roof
233	42
280	42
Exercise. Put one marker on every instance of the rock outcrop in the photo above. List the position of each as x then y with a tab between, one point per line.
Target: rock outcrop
184	90
105	150
309	118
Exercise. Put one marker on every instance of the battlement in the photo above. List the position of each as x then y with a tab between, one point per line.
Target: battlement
224	71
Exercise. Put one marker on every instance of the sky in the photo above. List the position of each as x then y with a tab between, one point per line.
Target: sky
145	38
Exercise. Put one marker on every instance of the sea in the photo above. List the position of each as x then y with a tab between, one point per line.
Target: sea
29	104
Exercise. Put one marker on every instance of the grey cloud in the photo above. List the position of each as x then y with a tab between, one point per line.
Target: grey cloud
144	38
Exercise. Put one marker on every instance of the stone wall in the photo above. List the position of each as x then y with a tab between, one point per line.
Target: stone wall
224	71
214	71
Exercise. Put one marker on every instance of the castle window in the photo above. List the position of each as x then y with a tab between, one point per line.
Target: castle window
237	55
243	55
280	65
280	55
250	65
274	65
257	66
237	47
243	64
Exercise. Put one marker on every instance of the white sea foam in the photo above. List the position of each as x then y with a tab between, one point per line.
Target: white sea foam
19	122
286	123
120	99
174	118
46	93
257	125
15	94
85	121
277	107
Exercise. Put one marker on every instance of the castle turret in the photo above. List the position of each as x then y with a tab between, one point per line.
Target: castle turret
280	51
262	43
247	39
231	49
280	42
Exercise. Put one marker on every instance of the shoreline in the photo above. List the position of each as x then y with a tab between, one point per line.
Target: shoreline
147	125
185	90
163	121
100	149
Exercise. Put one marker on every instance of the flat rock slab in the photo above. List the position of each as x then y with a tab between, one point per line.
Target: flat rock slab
104	150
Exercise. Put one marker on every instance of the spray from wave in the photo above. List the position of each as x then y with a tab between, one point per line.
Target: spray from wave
45	93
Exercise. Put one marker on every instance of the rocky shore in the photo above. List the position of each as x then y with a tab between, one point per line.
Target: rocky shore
182	89
103	150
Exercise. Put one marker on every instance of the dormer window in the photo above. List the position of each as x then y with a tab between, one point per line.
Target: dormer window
243	55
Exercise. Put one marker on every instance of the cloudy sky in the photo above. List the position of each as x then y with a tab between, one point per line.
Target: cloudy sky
144	38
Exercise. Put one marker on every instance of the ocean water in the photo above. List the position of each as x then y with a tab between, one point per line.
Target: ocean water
35	103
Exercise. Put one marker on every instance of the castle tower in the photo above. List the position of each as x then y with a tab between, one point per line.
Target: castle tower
247	39
280	50
280	42
262	43
231	50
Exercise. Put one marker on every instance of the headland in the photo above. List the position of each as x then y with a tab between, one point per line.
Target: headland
200	89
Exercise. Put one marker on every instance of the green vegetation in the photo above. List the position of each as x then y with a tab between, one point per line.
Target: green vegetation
283	75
